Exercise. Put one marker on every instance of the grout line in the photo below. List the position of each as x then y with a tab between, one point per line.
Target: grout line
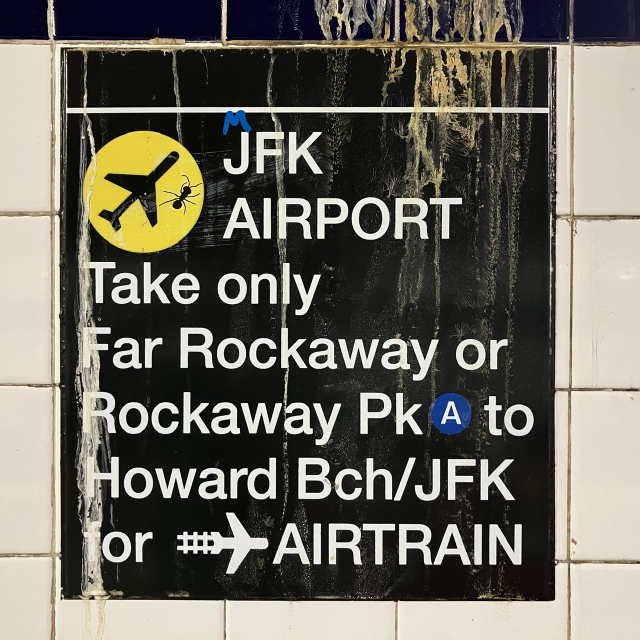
571	11
599	217
571	275
598	389
27	214
298	44
52	171
223	25
396	18
35	41
606	562
376	43
54	400
53	598
224	619
601	562
396	611
29	555
50	21
32	385
175	43
606	43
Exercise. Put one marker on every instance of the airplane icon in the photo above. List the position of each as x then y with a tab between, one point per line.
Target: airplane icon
141	189
239	542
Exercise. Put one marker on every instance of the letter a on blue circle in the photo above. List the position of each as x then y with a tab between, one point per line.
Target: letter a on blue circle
450	413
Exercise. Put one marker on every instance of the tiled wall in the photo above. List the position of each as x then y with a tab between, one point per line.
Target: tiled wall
597	342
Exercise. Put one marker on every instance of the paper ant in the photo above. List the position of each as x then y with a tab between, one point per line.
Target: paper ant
181	199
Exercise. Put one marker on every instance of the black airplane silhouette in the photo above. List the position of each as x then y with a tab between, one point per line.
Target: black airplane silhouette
141	188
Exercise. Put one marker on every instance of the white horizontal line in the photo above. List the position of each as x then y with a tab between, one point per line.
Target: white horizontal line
183	110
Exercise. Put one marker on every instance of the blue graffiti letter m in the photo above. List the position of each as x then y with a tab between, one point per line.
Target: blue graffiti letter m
234	119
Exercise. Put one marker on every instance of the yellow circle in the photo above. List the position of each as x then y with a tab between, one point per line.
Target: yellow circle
144	192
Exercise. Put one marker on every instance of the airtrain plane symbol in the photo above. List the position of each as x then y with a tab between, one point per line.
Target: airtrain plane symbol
141	189
240	542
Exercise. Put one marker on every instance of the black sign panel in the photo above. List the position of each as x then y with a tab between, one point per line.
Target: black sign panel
307	324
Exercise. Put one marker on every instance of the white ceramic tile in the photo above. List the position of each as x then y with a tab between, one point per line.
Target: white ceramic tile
25	300
605	475
487	620
561	471
25	127
25	598
310	620
607	130
26	443
563	130
563	302
606	304
139	620
604	602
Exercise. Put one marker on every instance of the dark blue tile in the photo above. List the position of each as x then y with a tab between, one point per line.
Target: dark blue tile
299	20
545	20
24	19
617	20
540	21
138	19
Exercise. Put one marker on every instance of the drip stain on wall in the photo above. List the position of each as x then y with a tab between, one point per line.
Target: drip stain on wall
87	380
343	18
463	20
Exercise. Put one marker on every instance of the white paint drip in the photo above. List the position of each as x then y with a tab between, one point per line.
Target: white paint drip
349	15
282	254
87	380
471	20
176	91
88	619
449	78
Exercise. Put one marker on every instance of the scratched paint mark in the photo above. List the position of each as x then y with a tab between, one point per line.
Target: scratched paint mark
282	257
